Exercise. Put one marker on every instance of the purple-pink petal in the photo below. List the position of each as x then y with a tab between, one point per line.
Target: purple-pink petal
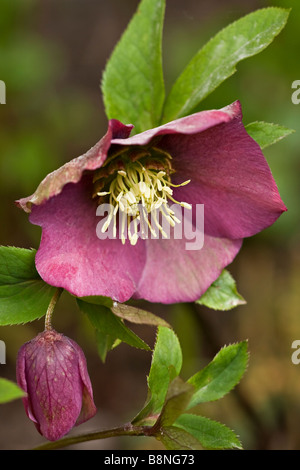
189	125
72	171
22	381
88	408
174	274
229	175
73	257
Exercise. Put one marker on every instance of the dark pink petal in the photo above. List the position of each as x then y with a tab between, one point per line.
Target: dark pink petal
73	257
174	274
88	409
118	133
229	175
72	171
189	125
228	171
21	380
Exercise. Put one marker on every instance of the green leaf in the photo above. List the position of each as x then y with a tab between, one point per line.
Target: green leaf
9	391
217	60
211	434
98	300
177	399
137	315
105	343
266	133
24	296
105	321
165	366
175	438
220	375
132	84
222	294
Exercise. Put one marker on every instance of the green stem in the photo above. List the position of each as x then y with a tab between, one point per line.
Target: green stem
50	309
126	430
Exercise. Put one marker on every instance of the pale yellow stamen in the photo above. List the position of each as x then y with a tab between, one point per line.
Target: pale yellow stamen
138	187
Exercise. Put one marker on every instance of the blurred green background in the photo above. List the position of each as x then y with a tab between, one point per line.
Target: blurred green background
52	54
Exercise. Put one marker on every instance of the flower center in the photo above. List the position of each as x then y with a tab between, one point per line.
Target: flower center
136	185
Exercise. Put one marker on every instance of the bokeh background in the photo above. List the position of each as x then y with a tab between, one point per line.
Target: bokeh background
52	54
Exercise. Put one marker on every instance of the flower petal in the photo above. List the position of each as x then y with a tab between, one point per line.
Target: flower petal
174	274
21	380
73	257
88	409
189	125
229	175
72	171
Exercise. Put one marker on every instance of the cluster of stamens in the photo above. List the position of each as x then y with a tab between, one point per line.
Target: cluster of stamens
134	188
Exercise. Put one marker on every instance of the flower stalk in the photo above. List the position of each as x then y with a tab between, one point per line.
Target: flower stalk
50	309
126	430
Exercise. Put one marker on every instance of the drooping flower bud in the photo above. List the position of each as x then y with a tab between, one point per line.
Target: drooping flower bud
52	370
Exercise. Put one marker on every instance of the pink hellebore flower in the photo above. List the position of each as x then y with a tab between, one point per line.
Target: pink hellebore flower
52	370
205	158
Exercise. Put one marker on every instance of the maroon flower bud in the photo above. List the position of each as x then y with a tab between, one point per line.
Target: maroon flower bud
52	370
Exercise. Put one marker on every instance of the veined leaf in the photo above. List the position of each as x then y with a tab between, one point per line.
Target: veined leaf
24	296
132	84
9	391
222	294
105	321
177	438
105	343
165	366
266	133
220	375
98	300
137	315
217	60
177	400
211	434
